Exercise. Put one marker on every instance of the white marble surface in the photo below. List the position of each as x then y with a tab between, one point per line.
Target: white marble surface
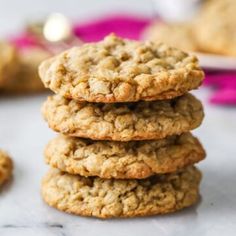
23	133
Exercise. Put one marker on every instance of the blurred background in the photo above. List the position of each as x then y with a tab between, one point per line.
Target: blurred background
14	14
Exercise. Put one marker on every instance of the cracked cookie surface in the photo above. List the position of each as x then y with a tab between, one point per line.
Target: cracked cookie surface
123	160
121	70
6	167
123	121
105	198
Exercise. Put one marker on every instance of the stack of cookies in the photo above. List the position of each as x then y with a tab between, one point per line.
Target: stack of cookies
124	113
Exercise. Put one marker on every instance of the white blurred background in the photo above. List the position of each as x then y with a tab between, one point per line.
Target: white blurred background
13	13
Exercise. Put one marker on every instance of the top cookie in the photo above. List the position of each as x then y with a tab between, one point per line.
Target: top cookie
121	70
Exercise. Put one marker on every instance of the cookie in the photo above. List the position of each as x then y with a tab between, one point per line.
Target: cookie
123	121
6	167
8	63
215	27
105	198
27	79
175	35
123	160
121	70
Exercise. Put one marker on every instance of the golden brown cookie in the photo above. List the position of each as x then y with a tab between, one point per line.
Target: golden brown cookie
121	70
215	27
8	62
27	79
123	160
6	167
102	198
123	121
176	35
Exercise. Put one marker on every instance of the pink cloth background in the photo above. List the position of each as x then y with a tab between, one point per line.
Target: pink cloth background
123	26
223	83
